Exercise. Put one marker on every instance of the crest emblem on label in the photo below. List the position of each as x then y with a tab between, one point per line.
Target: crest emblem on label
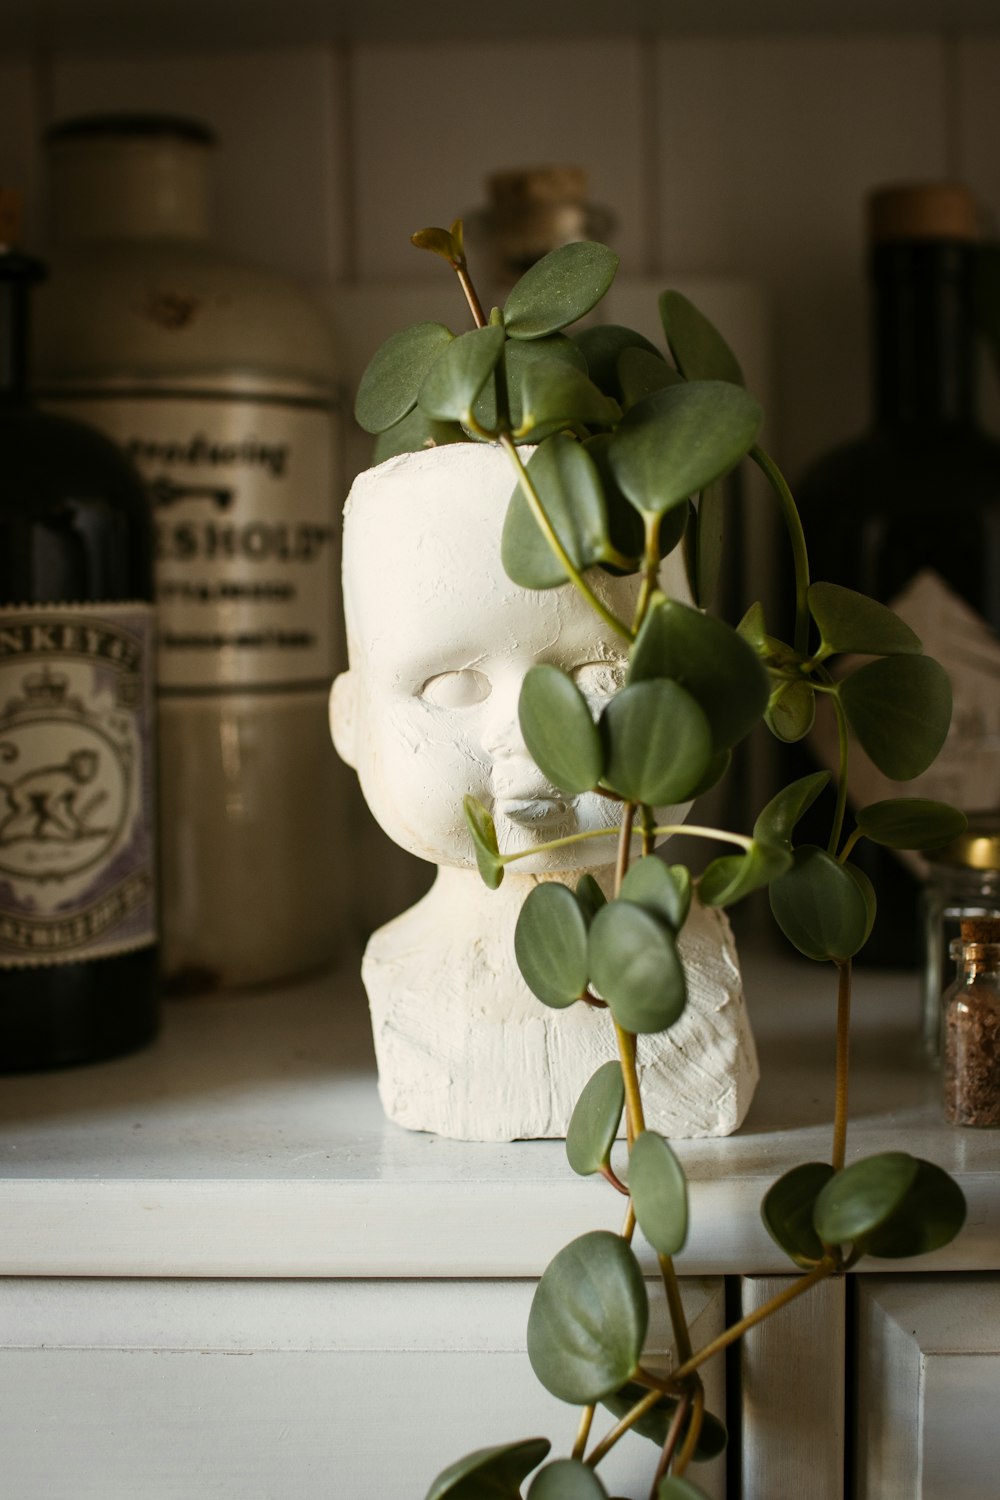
75	837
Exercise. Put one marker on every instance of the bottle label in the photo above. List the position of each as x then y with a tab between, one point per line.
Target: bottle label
242	481
966	772
76	785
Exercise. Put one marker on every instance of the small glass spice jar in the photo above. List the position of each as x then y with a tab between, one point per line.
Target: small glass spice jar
963	880
970	1026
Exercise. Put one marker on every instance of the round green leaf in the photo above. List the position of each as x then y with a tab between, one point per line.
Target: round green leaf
558	289
517	357
931	1215
862	1197
714	772
677	441
490	1473
392	381
658	743
776	822
602	346
566	1479
787	1211
911	823
562	738
484	839
624	522
733	876
568	485
588	1319
655	1424
867	890
641	373
555	394
414	432
659	1193
900	710
679	1489
791	710
696	344
593	1126
662	890
634	966
453	382
849	621
444	242
753	628
590	897
550	944
820	907
709	658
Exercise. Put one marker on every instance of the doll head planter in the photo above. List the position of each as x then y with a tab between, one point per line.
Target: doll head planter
440	641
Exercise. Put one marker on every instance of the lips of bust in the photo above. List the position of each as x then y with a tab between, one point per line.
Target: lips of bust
534	811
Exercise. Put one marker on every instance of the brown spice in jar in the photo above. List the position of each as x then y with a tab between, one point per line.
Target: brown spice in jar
972	1059
972	1035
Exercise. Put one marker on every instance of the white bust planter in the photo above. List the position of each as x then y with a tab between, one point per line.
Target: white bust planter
439	642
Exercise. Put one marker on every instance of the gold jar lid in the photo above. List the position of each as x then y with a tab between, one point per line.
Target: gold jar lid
978	848
923	211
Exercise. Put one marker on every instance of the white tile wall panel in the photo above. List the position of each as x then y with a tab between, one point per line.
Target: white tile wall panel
767	148
279	171
432	121
19	138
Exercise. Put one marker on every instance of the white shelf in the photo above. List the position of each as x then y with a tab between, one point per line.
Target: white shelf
249	1142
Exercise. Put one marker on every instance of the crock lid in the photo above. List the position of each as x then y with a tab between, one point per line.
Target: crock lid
129	126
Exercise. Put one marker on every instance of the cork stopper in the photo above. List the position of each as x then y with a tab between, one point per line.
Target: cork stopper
10	218
980	929
923	211
532	210
517	191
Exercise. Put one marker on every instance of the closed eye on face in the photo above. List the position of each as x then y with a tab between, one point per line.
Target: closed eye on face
461	689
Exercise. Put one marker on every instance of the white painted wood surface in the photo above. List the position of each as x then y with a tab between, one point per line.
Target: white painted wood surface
793	1383
286	1391
928	1388
248	1141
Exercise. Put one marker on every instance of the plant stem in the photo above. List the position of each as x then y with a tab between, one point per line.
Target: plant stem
583	1431
670	1443
800	557
694	1429
624	835
604	833
849	844
650	569
471	295
675	1306
633	1098
551	536
617	1432
737	1330
843	1048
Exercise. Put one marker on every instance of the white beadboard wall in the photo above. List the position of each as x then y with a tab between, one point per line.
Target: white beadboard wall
730	156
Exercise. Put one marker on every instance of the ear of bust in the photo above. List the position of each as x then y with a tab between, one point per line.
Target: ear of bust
343	717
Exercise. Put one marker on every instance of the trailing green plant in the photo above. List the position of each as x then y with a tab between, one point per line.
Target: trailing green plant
629	445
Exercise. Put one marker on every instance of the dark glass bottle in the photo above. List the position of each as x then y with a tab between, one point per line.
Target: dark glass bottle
910	513
78	954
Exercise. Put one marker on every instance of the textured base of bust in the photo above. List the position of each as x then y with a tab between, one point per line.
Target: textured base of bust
466	1051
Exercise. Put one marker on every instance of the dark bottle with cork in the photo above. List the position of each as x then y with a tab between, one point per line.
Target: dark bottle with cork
78	941
971	1027
910	514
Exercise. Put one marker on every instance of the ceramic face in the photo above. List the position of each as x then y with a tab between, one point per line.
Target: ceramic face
440	641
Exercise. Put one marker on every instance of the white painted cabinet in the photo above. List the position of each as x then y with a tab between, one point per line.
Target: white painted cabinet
225	1274
927	1396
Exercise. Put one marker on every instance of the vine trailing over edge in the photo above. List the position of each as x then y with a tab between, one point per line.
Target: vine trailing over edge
629	449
